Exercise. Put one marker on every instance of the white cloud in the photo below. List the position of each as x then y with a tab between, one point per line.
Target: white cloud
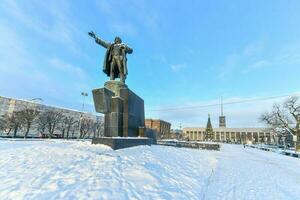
178	67
230	64
124	28
136	12
254	48
251	58
27	75
68	68
114	13
60	29
288	55
260	64
234	62
256	66
285	56
14	55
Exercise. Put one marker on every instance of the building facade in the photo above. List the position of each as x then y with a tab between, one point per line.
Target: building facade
9	105
232	135
229	135
162	127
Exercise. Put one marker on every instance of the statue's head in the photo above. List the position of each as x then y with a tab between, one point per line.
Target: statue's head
118	40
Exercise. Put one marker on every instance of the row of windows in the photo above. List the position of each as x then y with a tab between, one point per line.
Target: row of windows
227	135
203	132
257	137
164	127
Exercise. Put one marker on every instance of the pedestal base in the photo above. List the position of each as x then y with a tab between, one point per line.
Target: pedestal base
122	142
123	110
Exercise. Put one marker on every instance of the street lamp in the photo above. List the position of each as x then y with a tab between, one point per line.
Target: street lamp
83	94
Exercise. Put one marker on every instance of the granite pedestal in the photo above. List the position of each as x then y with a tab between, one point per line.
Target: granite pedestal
123	110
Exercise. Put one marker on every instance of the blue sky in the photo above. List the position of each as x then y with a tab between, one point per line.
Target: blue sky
185	53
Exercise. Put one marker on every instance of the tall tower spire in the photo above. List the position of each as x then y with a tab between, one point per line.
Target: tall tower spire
222	118
221	105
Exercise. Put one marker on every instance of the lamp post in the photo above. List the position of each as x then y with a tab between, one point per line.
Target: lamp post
83	94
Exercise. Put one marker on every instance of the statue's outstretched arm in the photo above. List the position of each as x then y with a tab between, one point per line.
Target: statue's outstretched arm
101	42
98	40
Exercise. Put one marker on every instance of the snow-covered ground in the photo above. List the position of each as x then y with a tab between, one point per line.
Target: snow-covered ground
57	169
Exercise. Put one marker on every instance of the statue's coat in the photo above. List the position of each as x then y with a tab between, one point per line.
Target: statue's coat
108	58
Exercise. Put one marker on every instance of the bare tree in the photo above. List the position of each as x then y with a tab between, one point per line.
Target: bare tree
62	127
98	128
42	123
5	124
2	124
68	123
49	120
12	122
284	118
85	126
27	116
